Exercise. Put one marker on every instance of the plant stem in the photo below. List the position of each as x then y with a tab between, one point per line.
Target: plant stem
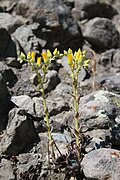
46	114
76	108
41	81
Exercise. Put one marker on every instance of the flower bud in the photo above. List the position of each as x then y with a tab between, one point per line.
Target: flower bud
38	61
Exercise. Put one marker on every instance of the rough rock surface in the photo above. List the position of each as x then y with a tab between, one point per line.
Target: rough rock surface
101	33
27	40
28	25
88	9
9	22
98	109
24	102
20	133
6	170
7	46
102	164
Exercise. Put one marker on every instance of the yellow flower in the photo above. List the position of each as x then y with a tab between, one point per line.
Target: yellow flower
86	63
32	59
49	55
70	60
22	57
78	56
70	51
56	53
65	53
38	61
45	57
29	56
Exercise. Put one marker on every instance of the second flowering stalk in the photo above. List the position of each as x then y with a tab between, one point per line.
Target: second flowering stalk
76	61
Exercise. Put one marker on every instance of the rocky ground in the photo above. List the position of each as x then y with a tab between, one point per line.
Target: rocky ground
27	25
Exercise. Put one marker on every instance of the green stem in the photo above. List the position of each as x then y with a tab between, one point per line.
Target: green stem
76	108
46	114
41	81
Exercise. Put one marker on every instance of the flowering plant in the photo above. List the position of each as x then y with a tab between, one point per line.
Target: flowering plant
76	61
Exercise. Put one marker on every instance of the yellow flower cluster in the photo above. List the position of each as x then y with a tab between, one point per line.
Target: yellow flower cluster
77	59
46	57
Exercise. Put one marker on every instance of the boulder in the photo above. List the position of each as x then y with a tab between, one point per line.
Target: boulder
20	134
52	80
98	110
111	84
4	103
101	33
116	60
56	105
10	22
9	76
102	164
27	40
106	57
3	89
63	89
88	9
58	27
26	162
25	102
23	86
6	170
7	46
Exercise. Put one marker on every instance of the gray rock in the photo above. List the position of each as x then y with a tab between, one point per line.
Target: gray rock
25	102
20	134
112	84
7	46
58	27
4	39
116	60
63	138
26	162
106	57
1	9
6	170
95	143
52	80
116	22
3	89
103	134
88	9
101	33
98	110
5	104
23	85
8	75
102	164
10	22
115	132
117	120
12	62
27	40
56	105
39	109
63	89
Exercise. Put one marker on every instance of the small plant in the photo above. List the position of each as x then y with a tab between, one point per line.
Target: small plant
42	63
76	62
